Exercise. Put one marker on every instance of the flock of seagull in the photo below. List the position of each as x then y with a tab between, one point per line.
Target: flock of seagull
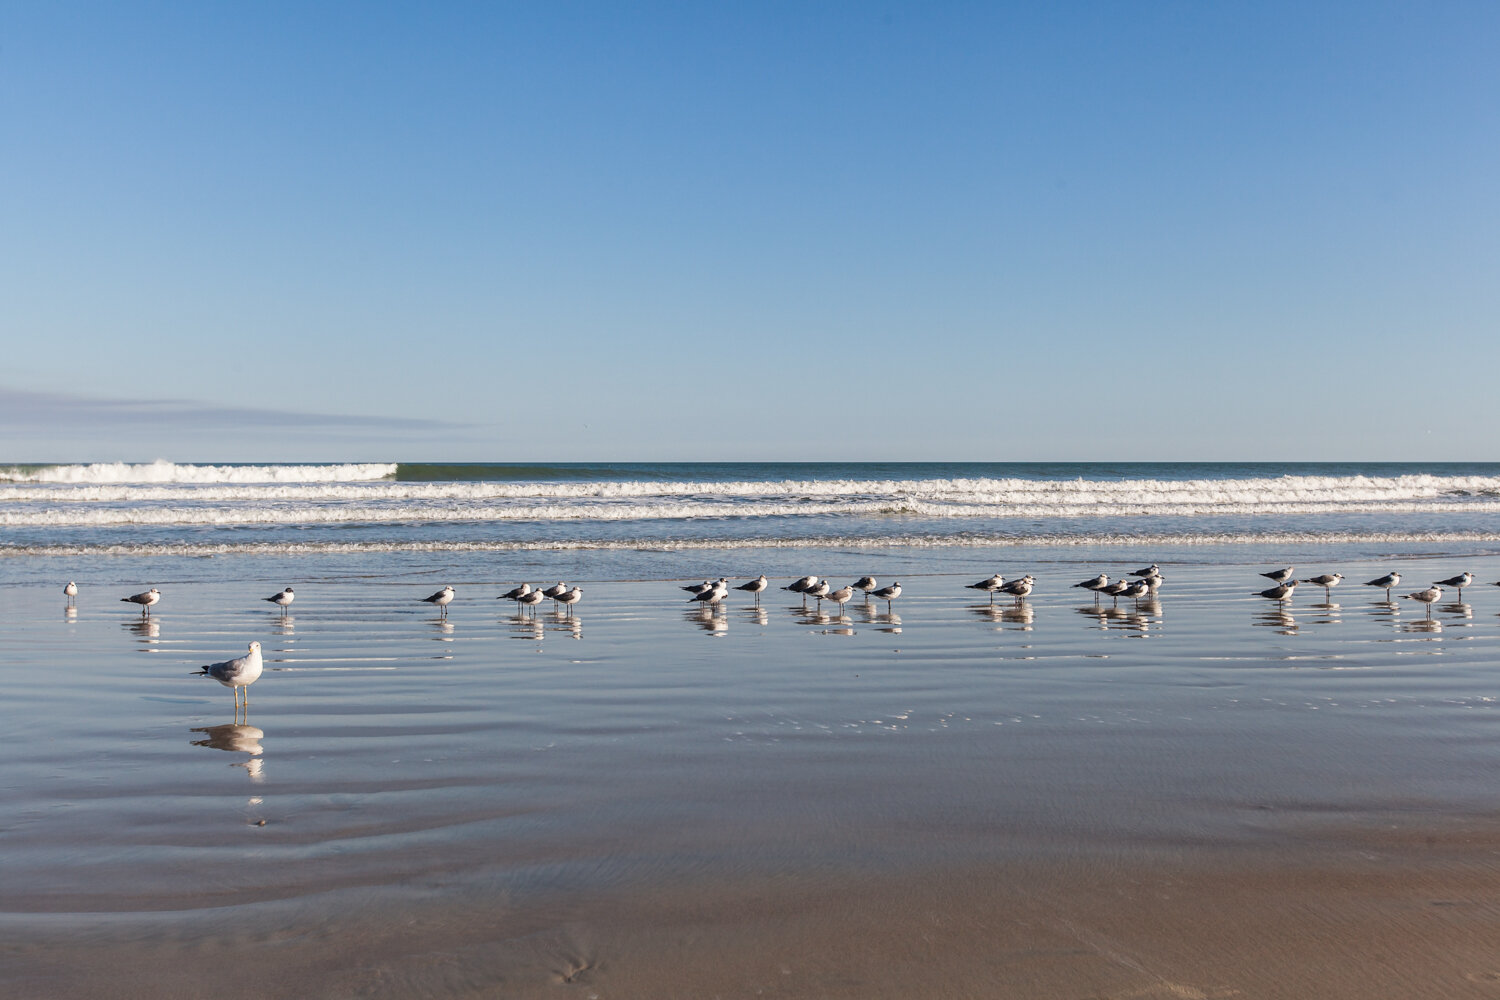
239	673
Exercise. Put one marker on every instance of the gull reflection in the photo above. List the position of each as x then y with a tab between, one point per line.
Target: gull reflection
70	612
1457	609
236	738
1019	615
1429	625
569	623
813	617
886	621
527	628
758	615
284	625
444	627
147	628
712	618
1281	620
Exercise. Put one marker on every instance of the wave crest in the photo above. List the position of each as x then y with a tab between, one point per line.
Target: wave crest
162	471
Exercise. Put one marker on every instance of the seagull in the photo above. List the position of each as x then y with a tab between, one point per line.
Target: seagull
888	594
754	586
1151	570
1461	581
441	599
570	598
71	590
1280	594
1115	590
1137	590
1326	581
819	590
1097	584
801	587
697	588
1386	583
993	584
1019	588
530	599
713	595
865	583
145	600
1153	583
516	593
240	672
1428	597
282	599
1280	575
556	592
841	596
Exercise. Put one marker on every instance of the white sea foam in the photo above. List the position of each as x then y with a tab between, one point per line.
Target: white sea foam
162	471
963	540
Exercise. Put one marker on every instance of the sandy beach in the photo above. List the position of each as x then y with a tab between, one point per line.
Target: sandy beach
1204	796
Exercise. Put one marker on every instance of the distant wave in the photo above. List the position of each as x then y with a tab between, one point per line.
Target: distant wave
162	471
962	540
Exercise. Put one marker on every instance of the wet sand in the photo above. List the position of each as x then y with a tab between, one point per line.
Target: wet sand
1206	798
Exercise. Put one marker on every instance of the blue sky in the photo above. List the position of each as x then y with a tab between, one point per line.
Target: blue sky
376	231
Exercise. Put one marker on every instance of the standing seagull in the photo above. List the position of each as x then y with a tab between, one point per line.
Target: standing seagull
71	591
571	598
1139	589
282	599
754	586
1019	588
866	583
530	599
1429	597
240	672
1115	590
1151	570
819	590
801	587
145	600
1385	583
1153	583
1280	575
713	595
1327	581
697	588
1280	594
1461	581
888	594
516	593
1097	584
841	596
441	599
992	584
556	592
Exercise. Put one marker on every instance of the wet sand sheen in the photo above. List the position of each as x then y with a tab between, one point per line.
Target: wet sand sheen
1200	799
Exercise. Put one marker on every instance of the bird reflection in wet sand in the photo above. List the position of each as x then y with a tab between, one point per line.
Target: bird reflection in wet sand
444	629
1457	609
1420	625
758	615
1328	614
284	625
236	738
70	613
569	623
147	628
711	618
1019	615
1282	620
527	627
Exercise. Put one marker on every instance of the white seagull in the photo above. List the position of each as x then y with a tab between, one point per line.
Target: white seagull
145	600
1280	594
1429	597
713	595
240	672
866	583
1019	588
1280	575
556	592
516	593
1327	581
570	598
1137	590
530	599
1151	570
755	586
1115	590
1386	583
282	599
71	590
819	590
1097	584
888	594
1461	581
442	598
991	584
841	596
697	588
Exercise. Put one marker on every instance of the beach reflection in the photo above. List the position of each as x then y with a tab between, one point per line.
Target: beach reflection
236	738
757	615
70	613
1283	621
1457	609
713	619
284	625
527	628
1328	614
148	629
1421	625
569	623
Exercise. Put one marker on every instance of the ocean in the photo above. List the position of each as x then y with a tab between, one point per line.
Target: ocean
632	521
